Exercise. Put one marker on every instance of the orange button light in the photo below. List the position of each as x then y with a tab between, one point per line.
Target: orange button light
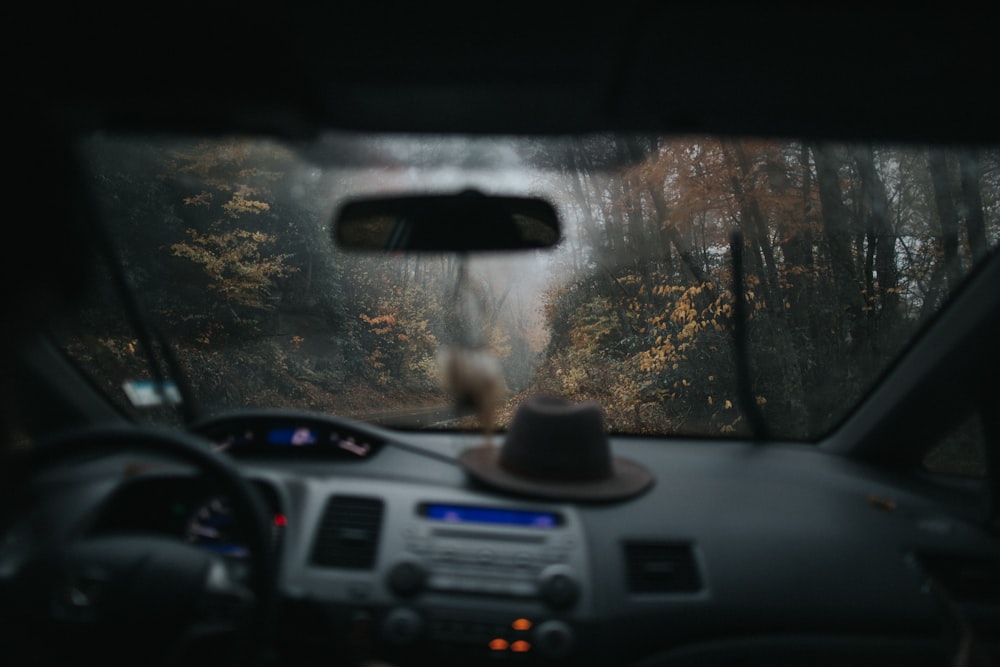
521	624
498	644
520	646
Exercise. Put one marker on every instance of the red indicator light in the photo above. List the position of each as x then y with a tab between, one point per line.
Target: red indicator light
521	624
520	646
498	644
280	520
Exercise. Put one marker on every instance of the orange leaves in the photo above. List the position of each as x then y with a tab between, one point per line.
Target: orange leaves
375	359
397	337
381	324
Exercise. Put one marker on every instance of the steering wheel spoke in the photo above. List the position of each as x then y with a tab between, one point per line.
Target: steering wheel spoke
118	593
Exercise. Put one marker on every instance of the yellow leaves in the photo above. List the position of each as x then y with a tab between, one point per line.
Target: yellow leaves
238	206
667	290
120	349
207	333
684	312
201	199
379	320
236	263
596	323
710	400
689	330
728	404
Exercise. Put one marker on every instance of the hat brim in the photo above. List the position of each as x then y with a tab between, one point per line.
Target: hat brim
628	479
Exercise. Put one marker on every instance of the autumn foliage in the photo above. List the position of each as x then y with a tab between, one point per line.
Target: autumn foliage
848	250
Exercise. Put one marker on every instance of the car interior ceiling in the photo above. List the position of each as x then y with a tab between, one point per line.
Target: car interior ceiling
565	70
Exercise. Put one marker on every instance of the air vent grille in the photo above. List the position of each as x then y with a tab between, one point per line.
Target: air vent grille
348	533
661	567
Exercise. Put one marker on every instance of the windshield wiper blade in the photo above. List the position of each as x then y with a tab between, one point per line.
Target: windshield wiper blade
150	338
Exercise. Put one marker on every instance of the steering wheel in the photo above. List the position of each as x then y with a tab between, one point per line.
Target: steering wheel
106	597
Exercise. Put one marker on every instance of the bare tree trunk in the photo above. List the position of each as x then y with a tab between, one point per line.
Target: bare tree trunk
680	244
796	246
881	273
775	321
975	224
837	234
758	227
947	216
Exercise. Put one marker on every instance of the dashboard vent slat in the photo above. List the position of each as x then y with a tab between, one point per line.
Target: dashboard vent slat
661	567
348	533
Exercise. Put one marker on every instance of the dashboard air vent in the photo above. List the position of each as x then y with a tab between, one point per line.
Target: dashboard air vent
661	567
348	533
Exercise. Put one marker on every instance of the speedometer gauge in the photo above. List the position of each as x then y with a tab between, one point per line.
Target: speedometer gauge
212	527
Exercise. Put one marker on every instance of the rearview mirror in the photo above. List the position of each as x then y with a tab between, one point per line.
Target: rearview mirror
469	221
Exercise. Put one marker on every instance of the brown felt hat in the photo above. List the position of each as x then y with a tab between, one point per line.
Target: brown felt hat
557	449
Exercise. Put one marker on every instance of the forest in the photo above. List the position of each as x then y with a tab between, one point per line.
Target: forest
848	250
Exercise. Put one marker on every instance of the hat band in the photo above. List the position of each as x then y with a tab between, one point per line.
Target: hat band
555	475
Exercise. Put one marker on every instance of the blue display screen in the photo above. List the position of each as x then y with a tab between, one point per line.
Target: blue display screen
296	437
490	515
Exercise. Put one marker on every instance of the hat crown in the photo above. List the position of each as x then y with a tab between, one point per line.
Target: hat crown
559	450
552	438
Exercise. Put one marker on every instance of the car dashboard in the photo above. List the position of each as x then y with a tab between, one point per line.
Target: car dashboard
737	553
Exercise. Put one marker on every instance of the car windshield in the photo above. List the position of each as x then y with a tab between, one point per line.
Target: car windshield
847	250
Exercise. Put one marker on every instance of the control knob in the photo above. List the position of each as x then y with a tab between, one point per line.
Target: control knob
558	587
406	578
402	626
554	639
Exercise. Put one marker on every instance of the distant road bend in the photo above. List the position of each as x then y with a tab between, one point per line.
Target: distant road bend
427	417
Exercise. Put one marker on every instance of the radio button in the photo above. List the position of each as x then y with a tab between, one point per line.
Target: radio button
406	578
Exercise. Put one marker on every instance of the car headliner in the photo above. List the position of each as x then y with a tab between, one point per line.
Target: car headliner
839	70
